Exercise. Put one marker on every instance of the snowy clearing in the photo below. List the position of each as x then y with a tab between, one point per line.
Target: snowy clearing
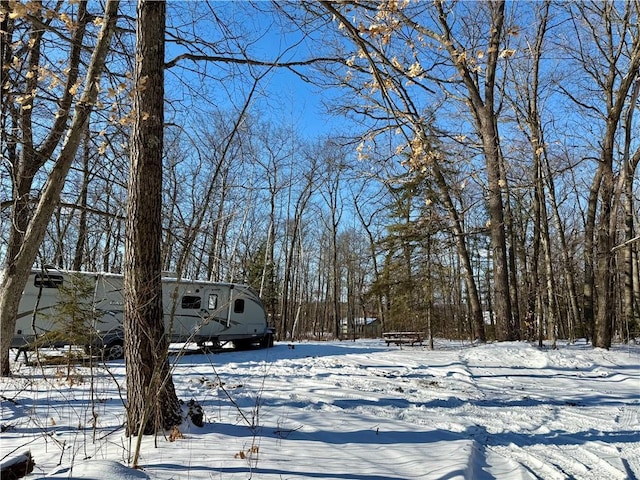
348	410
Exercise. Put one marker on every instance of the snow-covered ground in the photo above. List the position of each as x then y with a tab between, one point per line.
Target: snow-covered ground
349	410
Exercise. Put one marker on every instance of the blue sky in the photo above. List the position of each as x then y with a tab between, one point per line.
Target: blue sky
281	95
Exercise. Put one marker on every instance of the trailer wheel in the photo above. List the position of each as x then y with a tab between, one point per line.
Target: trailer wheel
242	344
113	351
267	341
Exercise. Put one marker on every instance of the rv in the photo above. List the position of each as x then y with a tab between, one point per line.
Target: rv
208	314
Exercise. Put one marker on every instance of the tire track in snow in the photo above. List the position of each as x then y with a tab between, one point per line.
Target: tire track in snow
533	423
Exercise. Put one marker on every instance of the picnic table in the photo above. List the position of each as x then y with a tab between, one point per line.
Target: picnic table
403	338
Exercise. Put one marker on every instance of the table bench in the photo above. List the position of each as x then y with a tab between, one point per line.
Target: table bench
403	338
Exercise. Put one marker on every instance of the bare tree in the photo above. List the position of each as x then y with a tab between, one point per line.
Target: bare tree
331	192
526	105
630	299
298	202
403	85
609	56
61	144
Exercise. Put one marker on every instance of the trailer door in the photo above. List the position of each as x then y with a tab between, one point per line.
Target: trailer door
216	303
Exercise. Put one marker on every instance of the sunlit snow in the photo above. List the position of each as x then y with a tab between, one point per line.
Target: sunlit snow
347	410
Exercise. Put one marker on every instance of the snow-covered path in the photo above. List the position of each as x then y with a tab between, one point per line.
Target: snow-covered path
362	410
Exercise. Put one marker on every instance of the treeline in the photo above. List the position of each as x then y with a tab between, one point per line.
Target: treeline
480	185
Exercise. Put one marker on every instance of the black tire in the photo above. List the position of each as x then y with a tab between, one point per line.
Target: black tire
267	341
113	351
242	344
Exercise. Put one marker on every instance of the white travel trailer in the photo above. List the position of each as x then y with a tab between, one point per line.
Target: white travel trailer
206	313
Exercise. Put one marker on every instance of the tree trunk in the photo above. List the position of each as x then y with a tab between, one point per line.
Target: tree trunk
603	326
629	168
483	111
605	228
588	289
151	399
551	310
502	294
78	258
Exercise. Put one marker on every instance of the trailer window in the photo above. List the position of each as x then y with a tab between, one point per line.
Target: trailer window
238	305
191	302
213	301
47	281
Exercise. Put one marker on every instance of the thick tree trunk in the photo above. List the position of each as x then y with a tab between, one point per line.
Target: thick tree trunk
151	399
603	326
605	228
502	298
629	168
588	288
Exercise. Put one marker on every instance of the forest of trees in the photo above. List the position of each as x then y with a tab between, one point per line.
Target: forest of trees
476	172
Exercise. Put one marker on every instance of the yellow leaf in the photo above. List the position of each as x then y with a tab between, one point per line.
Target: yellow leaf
19	11
415	69
507	52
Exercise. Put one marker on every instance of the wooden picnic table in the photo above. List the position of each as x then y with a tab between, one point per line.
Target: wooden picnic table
403	338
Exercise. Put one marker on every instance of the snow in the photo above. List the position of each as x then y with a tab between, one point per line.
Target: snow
347	410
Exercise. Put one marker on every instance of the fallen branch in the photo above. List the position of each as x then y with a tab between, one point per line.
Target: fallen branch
622	245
